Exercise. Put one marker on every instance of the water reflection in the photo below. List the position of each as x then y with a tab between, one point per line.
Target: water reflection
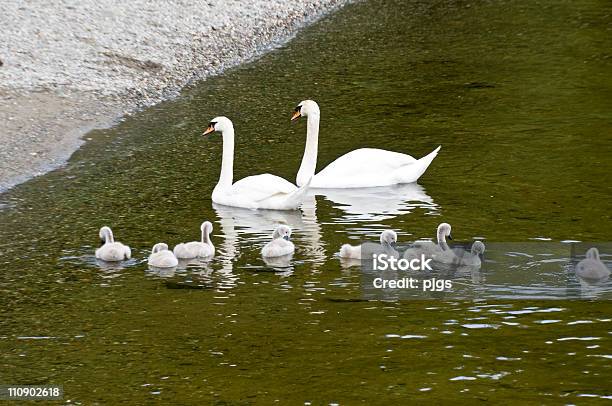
255	228
162	272
515	271
323	321
378	203
83	256
594	289
349	262
112	267
198	263
282	263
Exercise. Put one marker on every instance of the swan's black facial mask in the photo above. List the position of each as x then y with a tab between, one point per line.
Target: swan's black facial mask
297	113
210	128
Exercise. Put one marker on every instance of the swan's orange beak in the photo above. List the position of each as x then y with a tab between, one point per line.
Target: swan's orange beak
208	130
296	115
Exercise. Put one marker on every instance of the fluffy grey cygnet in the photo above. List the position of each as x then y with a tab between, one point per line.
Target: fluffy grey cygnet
388	239
197	249
111	251
280	244
162	258
591	268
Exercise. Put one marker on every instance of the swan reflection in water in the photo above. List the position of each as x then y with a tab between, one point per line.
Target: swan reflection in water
258	225
162	272
281	264
378	203
366	204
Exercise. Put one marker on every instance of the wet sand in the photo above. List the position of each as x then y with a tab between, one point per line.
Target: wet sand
69	68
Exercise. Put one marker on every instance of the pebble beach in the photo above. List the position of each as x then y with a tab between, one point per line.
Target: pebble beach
68	67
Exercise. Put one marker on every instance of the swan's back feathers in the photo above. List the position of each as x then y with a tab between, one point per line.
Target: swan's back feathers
592	270
277	248
350	251
163	259
295	198
113	252
264	191
370	167
193	249
413	171
262	186
422	247
364	161
366	250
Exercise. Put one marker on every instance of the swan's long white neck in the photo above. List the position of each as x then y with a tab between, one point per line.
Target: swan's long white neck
442	240
205	236
592	254
108	236
309	161
226	178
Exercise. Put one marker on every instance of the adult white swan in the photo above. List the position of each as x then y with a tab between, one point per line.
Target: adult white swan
364	167
253	192
111	251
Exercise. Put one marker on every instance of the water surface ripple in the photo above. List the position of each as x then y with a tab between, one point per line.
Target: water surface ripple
518	94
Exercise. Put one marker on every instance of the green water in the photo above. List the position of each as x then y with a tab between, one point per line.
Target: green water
517	93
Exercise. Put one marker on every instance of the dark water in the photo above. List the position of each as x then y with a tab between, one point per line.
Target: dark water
518	94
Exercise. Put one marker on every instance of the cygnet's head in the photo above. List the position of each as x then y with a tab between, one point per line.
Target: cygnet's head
283	232
305	108
159	247
219	124
206	227
106	235
445	230
388	237
592	253
478	248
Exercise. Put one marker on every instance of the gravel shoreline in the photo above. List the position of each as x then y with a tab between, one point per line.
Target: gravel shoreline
70	66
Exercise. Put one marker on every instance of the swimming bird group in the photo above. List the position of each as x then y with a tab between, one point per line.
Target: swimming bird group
438	252
161	256
360	168
365	167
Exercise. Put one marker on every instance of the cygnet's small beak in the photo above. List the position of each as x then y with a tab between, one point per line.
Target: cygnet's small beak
450	237
296	114
286	237
208	130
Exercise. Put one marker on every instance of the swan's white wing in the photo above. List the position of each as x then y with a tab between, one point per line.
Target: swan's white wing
366	160
128	252
259	187
362	167
261	192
